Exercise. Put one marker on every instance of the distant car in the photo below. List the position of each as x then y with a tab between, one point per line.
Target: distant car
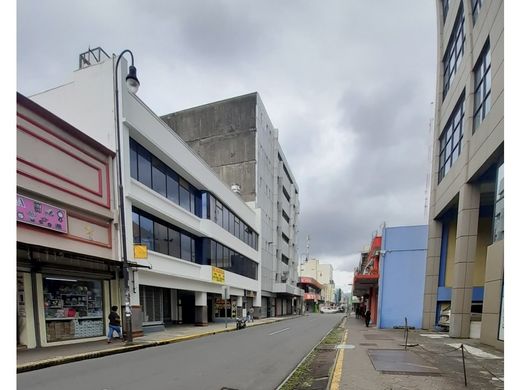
328	310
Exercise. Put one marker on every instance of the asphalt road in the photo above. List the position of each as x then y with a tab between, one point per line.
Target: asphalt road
257	357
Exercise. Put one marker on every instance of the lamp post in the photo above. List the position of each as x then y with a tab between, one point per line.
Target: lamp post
133	86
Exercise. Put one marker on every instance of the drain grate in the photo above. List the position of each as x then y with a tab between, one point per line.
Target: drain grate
397	361
368	344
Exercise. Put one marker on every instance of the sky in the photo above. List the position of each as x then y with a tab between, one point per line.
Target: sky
349	85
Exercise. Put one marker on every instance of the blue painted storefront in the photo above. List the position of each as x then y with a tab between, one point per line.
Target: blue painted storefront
401	279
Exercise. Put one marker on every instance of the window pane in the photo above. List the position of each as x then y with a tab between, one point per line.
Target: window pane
135	227
133	159
158	176
172	187
161	238
219	256
174	240
144	167
225	218
185	247
213	248
146	229
184	194
218	213
225	256
192	201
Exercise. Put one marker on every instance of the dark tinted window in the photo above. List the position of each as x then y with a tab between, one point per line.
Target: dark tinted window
146	229
174	243
158	176
144	167
160	238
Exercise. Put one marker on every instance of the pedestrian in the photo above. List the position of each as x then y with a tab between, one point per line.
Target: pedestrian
250	314
357	312
114	324
367	318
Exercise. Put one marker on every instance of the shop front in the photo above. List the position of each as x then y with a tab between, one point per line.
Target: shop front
74	308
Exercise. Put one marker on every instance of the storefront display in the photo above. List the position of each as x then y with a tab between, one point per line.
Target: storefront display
73	308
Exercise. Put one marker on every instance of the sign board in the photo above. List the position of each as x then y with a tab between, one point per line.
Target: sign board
218	275
140	251
34	212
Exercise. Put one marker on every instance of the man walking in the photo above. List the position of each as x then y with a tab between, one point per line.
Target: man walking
367	318
114	324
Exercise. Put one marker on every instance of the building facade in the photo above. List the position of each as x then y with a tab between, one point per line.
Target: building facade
403	258
202	239
323	273
366	279
237	139
68	273
464	273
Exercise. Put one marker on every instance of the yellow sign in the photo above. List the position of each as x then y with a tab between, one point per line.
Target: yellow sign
217	275
140	251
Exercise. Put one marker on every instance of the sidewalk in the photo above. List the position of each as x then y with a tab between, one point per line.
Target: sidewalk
37	358
434	356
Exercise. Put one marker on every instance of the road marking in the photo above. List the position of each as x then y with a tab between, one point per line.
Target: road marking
280	331
336	376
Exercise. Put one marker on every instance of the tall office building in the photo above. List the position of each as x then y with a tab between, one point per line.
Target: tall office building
237	139
464	272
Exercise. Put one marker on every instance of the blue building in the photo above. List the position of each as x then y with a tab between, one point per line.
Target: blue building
402	267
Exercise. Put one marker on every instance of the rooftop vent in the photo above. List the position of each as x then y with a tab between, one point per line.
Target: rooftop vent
92	57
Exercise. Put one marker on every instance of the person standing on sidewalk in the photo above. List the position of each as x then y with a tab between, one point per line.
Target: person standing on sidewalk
114	324
367	318
251	311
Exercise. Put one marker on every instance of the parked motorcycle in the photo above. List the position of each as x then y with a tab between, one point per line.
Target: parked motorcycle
241	323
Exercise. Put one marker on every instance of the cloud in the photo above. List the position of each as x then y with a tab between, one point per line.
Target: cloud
348	84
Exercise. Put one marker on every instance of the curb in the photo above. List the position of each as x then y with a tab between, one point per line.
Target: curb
114	351
306	356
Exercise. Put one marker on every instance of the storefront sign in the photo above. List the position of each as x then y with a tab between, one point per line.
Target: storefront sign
218	275
140	251
40	214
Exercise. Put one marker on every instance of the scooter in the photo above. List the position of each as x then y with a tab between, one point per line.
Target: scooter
241	323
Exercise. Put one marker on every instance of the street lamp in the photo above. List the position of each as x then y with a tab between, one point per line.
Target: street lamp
133	86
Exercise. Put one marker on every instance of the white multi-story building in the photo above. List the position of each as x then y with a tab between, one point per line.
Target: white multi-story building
200	235
237	139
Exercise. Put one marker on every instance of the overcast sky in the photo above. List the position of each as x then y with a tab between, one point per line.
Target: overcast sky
348	83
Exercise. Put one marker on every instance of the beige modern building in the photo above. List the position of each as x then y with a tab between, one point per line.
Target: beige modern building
464	273
323	273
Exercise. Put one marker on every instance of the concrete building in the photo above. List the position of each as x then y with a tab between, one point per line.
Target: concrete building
402	265
200	235
237	139
464	271
68	275
323	273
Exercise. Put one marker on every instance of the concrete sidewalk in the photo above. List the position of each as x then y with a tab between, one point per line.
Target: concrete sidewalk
434	351
37	358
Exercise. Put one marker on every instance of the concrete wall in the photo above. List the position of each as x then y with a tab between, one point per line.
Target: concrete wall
401	281
492	306
224	135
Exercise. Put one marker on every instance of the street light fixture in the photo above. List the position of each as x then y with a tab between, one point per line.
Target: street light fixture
133	86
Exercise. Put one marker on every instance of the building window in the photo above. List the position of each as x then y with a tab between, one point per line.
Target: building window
162	237
476	5
223	257
285	259
445	8
451	139
73	308
454	51
498	220
482	86
285	216
286	194
285	238
153	173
